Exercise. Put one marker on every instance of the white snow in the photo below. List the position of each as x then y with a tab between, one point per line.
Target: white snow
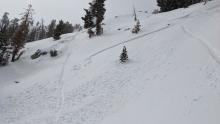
172	75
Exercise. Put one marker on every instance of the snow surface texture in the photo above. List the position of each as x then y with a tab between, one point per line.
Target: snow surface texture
172	76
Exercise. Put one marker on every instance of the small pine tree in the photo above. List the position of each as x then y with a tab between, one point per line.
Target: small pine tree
136	28
124	55
59	30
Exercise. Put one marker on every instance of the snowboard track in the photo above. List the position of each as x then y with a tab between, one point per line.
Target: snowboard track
205	44
126	41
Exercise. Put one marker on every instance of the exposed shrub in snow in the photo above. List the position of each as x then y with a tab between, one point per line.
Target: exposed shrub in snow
43	53
4	57
36	55
156	11
136	28
124	55
91	33
53	53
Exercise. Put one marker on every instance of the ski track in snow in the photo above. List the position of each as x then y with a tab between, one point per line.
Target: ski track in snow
90	102
61	83
204	43
126	41
105	94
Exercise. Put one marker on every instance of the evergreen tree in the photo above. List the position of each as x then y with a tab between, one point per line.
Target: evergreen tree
68	28
37	33
4	40
59	30
124	55
42	31
13	27
51	28
19	37
77	27
136	28
94	16
88	19
32	34
99	12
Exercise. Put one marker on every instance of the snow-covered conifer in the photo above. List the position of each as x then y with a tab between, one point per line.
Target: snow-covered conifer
124	55
137	27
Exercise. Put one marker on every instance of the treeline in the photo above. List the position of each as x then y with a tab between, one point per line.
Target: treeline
41	31
14	33
168	5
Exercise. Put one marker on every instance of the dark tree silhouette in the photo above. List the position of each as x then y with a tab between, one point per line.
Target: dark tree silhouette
19	37
124	55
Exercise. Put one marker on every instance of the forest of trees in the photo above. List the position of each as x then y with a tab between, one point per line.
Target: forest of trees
40	31
168	5
12	36
14	33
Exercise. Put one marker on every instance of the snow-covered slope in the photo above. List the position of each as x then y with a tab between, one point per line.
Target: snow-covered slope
172	75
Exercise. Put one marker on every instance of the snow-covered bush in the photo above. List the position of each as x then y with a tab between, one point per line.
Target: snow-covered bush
156	11
37	54
53	53
91	33
4	57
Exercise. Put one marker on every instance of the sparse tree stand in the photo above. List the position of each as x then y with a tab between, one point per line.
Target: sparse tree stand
124	55
19	37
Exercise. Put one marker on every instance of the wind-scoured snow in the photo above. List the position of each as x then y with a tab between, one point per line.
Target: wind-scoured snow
172	76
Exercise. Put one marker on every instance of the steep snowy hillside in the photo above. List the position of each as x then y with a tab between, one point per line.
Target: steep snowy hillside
172	76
